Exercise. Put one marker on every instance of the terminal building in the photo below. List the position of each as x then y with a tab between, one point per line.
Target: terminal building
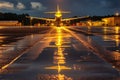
112	21
96	23
10	23
90	23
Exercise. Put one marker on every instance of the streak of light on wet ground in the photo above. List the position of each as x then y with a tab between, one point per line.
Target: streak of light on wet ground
106	39
59	55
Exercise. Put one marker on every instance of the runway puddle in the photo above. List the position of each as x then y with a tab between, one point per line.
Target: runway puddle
64	59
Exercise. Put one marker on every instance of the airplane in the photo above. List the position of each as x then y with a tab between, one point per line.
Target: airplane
58	20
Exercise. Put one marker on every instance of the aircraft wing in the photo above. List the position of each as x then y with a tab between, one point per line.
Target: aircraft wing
67	19
47	19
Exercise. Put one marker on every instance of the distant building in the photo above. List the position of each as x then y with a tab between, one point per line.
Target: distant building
37	24
90	23
82	23
97	23
112	21
10	23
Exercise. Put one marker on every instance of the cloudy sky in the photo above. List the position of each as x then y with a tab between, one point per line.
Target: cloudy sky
77	7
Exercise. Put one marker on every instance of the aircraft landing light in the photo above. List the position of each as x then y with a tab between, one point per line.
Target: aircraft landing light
63	46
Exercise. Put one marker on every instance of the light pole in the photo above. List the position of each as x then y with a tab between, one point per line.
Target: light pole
31	21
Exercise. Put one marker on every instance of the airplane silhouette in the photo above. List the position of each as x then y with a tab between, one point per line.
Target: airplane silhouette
58	17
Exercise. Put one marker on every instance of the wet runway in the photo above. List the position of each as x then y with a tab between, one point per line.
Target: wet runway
58	54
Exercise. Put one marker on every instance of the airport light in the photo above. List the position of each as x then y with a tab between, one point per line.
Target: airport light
90	23
116	14
106	21
117	29
58	14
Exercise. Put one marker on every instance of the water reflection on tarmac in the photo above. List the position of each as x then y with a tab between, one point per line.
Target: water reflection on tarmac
58	55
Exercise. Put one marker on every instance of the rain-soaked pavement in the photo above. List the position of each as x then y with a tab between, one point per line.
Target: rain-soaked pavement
61	54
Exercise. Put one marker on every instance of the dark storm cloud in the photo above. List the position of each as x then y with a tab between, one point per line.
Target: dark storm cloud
114	4
27	3
77	7
94	7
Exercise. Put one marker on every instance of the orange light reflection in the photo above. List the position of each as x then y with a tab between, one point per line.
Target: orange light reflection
59	56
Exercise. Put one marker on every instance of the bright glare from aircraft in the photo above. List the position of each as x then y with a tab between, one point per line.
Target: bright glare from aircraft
57	21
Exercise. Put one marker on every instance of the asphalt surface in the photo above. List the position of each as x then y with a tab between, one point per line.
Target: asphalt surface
57	54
